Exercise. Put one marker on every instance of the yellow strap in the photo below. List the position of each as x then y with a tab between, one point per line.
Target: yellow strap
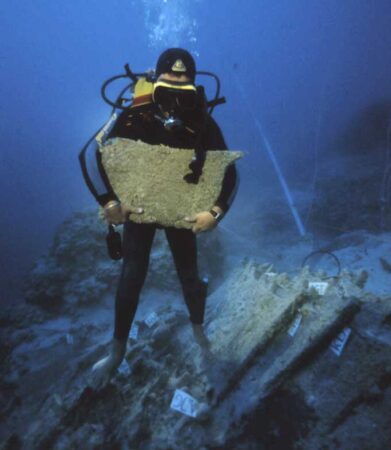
166	84
143	87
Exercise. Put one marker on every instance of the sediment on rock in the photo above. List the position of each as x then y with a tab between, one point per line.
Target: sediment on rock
266	345
151	177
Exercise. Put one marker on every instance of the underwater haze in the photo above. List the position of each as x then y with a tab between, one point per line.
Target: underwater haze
310	80
294	350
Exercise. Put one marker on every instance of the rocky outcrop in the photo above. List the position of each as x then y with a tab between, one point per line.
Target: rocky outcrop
283	361
77	270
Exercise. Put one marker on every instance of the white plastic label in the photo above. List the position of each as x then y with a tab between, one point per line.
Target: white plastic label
339	342
295	325
151	319
184	403
134	332
319	286
270	274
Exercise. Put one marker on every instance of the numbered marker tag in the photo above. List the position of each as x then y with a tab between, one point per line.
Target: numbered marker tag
69	338
295	325
184	403
339	342
134	332
270	274
319	286
124	368
151	319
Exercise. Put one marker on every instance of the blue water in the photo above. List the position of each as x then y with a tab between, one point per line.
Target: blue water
315	75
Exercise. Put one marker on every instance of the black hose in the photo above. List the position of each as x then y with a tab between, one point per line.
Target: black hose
118	104
197	165
218	87
104	86
120	100
325	252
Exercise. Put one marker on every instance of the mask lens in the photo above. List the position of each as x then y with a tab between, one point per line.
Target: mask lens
187	99
171	98
164	98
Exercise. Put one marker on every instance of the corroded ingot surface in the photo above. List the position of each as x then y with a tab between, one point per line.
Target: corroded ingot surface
151	177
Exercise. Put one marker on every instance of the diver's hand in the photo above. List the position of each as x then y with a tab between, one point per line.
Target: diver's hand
202	221
116	214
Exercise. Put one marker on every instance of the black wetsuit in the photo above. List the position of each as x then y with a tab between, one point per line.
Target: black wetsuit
138	238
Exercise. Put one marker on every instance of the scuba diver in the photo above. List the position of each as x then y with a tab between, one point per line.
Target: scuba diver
167	108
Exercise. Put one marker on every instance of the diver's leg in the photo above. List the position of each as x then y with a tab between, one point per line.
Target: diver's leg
137	243
183	244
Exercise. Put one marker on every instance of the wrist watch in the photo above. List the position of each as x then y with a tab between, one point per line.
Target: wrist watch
218	216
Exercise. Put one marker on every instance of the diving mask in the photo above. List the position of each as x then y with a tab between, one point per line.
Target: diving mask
175	97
